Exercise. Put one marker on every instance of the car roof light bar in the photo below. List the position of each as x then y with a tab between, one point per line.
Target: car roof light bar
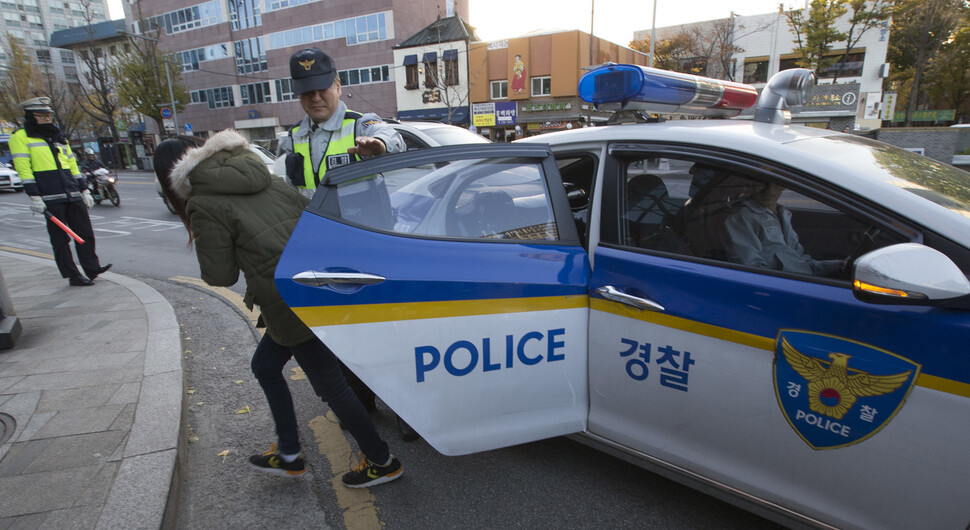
616	87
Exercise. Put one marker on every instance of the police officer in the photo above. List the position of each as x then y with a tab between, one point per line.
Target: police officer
51	179
329	135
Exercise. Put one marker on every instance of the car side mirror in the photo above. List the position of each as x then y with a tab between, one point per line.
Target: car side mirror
907	273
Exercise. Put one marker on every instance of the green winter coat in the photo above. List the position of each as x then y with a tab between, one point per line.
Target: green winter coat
242	217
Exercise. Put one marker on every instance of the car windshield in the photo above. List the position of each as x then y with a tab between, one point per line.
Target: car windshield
944	185
453	136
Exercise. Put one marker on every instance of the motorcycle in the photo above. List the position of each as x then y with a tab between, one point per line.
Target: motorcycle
101	182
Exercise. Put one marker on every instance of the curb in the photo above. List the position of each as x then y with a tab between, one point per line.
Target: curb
142	494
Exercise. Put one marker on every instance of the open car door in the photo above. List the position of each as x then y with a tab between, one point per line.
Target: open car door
452	281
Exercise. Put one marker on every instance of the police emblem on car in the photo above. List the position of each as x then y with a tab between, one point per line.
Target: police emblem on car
836	392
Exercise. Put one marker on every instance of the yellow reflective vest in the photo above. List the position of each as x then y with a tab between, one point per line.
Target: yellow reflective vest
48	170
340	141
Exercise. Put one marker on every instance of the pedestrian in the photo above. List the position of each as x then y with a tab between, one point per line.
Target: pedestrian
240	217
48	169
329	136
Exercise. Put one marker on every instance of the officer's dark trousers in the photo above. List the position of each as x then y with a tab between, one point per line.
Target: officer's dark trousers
323	371
75	215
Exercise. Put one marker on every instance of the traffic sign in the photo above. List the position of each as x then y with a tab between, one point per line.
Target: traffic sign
166	113
188	127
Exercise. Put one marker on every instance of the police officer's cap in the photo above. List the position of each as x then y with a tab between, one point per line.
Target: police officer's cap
311	69
41	105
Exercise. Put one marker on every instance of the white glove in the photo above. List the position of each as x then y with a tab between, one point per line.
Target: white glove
88	199
37	204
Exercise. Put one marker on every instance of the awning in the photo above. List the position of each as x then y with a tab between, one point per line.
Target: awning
410	59
450	54
458	114
430	57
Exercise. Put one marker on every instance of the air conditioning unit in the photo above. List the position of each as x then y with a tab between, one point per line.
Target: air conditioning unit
884	71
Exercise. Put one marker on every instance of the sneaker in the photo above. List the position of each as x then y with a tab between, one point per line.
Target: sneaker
272	462
370	474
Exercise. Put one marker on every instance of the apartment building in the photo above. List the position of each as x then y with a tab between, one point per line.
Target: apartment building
767	47
32	22
234	56
529	85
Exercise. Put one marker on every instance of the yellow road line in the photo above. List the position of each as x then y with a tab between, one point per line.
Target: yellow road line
27	252
357	505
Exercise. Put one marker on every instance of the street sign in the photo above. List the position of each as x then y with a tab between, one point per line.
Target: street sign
188	127
166	113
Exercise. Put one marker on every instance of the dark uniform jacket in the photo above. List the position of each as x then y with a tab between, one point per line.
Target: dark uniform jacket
241	219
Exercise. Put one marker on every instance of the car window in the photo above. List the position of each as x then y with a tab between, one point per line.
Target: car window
469	199
454	136
578	171
739	216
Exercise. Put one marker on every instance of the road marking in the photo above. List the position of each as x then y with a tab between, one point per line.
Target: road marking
230	295
357	505
27	252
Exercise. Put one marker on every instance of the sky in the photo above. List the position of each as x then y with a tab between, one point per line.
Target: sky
614	20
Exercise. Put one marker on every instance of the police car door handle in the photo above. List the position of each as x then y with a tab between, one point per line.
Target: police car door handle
320	278
611	293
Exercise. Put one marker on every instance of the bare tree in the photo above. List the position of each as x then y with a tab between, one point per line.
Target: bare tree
96	89
17	81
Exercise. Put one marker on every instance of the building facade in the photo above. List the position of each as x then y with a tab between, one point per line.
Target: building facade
435	85
234	56
32	22
767	46
529	85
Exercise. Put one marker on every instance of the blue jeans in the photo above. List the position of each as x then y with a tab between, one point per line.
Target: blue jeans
323	371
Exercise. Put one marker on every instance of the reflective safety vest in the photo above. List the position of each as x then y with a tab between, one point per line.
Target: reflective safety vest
55	178
336	155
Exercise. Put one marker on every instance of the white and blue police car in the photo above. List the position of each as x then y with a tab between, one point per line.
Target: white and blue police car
775	314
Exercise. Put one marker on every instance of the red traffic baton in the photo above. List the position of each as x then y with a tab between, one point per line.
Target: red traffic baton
64	227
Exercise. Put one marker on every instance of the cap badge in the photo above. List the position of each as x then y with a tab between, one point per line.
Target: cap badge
307	64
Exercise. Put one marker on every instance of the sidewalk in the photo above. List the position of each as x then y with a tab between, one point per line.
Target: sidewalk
90	402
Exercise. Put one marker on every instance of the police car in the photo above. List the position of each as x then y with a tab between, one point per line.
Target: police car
774	314
10	179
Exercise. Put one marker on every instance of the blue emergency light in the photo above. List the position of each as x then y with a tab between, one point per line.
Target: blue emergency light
627	86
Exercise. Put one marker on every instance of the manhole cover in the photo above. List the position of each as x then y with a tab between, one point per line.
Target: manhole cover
7	427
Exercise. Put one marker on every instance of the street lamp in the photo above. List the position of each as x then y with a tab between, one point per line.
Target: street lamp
168	79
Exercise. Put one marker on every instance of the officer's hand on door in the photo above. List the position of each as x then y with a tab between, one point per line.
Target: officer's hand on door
368	146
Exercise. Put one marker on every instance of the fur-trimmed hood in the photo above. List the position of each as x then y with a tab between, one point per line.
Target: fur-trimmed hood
228	140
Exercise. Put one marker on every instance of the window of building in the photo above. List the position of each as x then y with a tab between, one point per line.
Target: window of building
851	68
787	63
35	22
253	93
244	14
43	56
368	28
361	76
12	19
11	5
284	92
272	5
39	39
500	89
59	23
217	98
541	86
250	55
70	74
192	17
430	61
451	67
411	72
31	6
756	71
67	57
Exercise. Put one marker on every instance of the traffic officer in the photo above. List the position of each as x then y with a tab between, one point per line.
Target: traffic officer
329	135
48	169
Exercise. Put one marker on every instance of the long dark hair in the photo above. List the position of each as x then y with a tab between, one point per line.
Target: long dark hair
167	154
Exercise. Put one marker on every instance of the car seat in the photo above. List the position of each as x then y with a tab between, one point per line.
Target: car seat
649	212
